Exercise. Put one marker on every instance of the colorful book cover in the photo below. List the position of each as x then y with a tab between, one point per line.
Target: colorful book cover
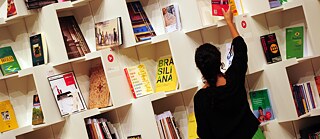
271	48
142	27
138	80
35	4
73	38
317	79
218	5
135	137
11	8
67	93
8	119
108	33
99	94
37	115
294	42
171	17
167	79
8	61
274	3
261	105
38	50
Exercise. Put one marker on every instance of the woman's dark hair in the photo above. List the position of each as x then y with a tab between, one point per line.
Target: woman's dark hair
208	60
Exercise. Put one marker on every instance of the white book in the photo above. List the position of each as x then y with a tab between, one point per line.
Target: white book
171	17
159	127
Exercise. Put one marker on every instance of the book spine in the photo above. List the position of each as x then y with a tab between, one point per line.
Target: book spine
294	98
130	83
105	127
311	95
159	128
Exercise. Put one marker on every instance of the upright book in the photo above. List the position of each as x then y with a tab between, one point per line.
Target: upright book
67	93
8	119
294	42
261	105
8	61
108	33
218	5
171	17
142	27
37	115
271	48
138	80
167	79
11	8
99	94
73	38
38	50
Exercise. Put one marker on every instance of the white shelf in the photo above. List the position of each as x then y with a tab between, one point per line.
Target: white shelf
78	59
285	6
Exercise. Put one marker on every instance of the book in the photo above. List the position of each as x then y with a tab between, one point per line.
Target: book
8	119
271	48
167	79
8	61
39	50
74	41
275	3
108	33
141	25
192	126
11	8
67	93
303	95
171	17
261	105
294	42
99	94
37	115
218	5
35	4
138	80
168	129
134	137
317	80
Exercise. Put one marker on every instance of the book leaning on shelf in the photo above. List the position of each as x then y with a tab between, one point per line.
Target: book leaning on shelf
67	93
8	61
35	4
171	17
99	94
235	5
167	127
261	105
303	96
101	128
271	48
74	41
138	80
39	50
167	79
142	27
37	115
11	8
108	33
294	42
8	119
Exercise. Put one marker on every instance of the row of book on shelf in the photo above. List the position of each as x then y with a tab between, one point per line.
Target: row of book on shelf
311	132
101	128
305	96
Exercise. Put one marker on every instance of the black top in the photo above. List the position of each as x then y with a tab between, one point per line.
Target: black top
223	112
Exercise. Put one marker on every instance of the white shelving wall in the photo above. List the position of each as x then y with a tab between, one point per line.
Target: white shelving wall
136	116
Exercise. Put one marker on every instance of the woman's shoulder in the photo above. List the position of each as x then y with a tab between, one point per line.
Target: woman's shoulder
201	94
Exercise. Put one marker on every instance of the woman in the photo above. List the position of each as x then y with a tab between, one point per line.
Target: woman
221	106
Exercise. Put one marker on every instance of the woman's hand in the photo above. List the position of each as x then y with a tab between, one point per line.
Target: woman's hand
228	15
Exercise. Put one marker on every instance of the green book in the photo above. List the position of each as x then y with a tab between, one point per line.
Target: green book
294	42
8	61
261	105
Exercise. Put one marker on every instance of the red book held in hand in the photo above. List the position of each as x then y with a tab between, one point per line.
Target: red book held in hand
217	6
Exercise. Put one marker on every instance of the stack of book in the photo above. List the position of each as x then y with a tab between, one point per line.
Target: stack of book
167	127
101	129
303	98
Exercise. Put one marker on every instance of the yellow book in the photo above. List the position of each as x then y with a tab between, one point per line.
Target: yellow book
8	119
167	79
236	7
192	126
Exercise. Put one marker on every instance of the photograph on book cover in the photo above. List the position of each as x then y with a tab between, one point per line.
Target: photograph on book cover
171	18
108	33
67	93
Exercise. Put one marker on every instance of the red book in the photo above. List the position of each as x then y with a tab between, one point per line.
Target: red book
217	6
